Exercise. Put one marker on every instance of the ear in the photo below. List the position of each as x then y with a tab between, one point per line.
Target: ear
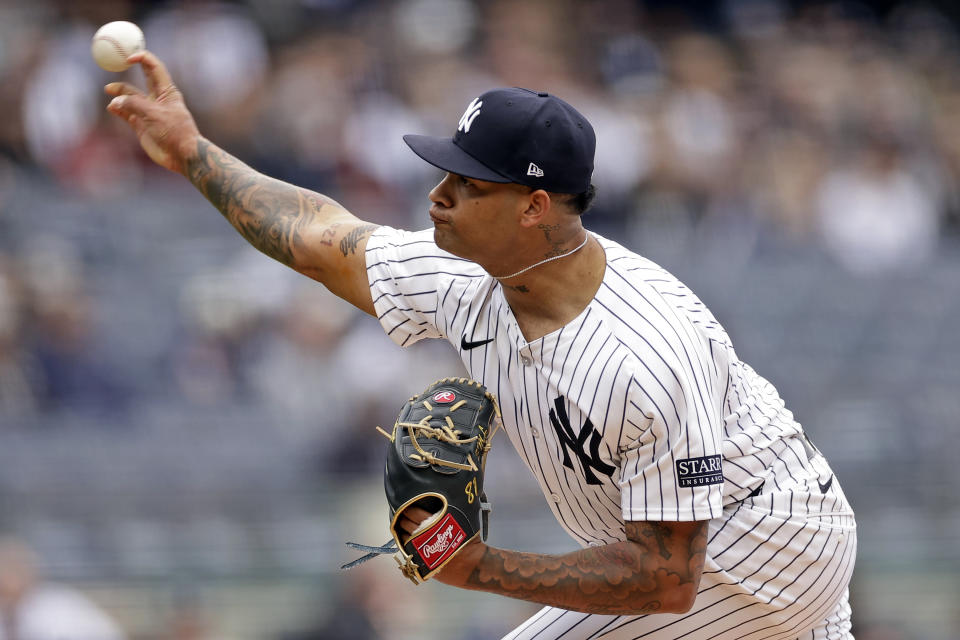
538	208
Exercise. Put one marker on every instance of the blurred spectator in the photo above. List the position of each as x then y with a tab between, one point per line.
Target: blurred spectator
317	372
61	336
32	609
370	605
787	168
226	311
18	375
22	31
65	75
219	57
189	618
526	44
349	619
697	142
299	371
878	214
303	109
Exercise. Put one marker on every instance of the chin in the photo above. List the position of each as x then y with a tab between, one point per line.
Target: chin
443	240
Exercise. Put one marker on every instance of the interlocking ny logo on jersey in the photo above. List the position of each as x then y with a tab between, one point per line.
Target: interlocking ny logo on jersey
473	110
590	461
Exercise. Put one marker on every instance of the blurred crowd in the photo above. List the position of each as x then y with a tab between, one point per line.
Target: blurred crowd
127	304
828	122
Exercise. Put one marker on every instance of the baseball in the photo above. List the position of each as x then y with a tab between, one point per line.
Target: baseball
114	42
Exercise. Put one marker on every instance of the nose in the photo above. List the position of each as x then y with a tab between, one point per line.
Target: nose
440	194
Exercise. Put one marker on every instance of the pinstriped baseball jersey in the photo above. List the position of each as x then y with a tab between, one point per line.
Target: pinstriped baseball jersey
638	409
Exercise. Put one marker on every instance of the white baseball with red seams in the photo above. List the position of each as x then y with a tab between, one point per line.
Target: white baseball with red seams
116	41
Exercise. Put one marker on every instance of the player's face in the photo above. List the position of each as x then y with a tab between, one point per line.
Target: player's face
475	219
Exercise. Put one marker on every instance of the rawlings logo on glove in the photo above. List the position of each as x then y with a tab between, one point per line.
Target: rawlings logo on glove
435	461
434	547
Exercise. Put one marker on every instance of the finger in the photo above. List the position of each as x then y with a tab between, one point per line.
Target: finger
158	78
412	518
127	105
417	514
122	89
406	525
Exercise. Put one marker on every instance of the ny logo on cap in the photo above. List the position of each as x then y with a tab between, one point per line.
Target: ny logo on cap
473	110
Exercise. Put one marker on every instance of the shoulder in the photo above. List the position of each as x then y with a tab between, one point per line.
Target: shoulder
391	249
390	244
632	283
625	264
647	308
390	237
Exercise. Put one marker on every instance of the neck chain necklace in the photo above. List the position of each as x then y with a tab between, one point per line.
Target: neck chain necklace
546	260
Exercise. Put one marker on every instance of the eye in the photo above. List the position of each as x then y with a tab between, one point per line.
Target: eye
465	181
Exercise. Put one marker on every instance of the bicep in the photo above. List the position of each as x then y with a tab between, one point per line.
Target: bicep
332	251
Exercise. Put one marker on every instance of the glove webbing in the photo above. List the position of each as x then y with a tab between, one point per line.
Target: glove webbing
446	433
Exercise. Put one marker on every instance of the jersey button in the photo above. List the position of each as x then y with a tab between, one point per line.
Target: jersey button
594	543
535	432
555	497
526	361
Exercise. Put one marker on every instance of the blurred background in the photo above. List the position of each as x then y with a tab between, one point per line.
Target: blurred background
187	429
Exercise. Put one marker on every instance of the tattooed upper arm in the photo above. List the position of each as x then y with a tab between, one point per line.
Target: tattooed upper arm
334	254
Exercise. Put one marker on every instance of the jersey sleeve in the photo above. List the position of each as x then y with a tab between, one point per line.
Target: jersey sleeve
408	275
673	469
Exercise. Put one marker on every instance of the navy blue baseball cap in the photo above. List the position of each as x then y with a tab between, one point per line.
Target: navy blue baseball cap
516	135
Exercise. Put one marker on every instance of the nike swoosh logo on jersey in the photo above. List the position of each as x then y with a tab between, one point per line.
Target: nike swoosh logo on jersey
825	486
466	345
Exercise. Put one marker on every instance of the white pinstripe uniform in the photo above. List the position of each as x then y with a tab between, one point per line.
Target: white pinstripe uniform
639	409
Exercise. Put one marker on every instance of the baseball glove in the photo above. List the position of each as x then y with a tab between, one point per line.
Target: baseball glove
435	460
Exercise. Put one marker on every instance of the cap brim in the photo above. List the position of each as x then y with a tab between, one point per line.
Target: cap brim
444	154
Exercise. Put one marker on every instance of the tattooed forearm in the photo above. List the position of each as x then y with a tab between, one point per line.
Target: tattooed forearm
270	214
596	580
657	570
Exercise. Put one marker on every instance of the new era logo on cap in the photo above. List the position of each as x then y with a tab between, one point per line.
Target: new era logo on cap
524	137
